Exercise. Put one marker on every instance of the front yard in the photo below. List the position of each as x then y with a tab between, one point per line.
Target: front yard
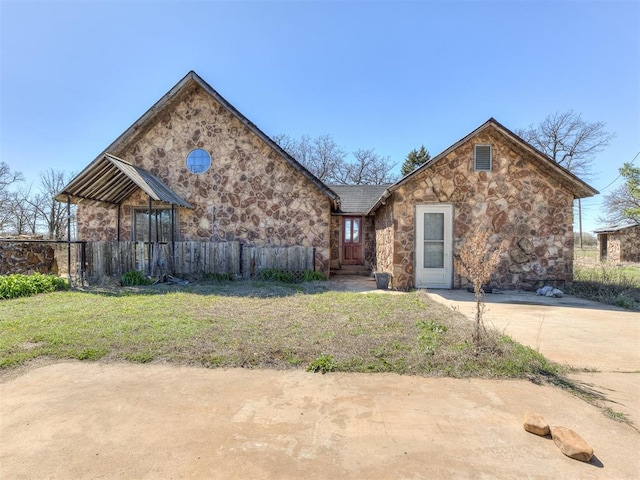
258	325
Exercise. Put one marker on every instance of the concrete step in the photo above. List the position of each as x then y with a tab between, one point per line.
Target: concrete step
352	270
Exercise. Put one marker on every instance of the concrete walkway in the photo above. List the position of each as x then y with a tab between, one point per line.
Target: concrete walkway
573	331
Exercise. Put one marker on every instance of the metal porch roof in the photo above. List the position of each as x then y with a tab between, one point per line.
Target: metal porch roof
111	180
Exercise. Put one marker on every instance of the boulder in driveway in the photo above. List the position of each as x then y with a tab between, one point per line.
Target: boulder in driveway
535	423
571	444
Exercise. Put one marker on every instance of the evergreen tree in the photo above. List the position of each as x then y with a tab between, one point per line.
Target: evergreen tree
415	158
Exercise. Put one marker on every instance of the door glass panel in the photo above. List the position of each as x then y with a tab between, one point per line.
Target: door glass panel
434	226
433	254
356	231
347	230
433	240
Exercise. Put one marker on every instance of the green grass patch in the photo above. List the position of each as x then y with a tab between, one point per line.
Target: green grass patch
259	324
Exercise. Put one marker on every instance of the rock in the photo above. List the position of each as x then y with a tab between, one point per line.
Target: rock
571	444
534	423
548	291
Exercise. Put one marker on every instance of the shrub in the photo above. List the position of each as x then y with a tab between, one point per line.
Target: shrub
134	277
275	274
219	277
477	263
323	364
17	285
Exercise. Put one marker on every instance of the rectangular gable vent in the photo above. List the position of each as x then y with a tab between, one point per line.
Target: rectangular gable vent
482	158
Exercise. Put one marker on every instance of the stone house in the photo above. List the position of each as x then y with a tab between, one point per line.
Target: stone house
194	168
619	243
206	173
492	180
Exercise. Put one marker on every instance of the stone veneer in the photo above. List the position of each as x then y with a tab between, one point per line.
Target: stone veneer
518	201
250	193
622	245
27	258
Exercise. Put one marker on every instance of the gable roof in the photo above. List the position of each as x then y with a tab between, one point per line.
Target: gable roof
189	80
616	228
578	187
358	199
111	180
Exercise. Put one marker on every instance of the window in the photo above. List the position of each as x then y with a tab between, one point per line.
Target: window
482	158
198	161
433	240
160	225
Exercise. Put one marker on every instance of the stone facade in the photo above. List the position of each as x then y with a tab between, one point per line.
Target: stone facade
369	232
27	258
250	193
620	246
517	201
336	233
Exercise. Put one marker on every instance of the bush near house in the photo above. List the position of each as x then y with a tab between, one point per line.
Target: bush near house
17	285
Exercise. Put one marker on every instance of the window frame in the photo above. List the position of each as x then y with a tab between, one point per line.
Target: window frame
191	169
475	157
156	209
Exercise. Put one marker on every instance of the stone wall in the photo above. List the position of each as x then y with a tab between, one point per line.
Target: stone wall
250	193
385	239
630	244
27	258
369	229
516	201
336	232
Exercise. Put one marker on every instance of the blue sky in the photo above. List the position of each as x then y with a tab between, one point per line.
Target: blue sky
372	74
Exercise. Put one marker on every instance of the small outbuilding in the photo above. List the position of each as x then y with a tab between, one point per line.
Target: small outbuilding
619	243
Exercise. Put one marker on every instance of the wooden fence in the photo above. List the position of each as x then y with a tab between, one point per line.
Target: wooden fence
193	259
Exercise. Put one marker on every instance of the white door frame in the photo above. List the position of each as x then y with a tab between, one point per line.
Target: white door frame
434	277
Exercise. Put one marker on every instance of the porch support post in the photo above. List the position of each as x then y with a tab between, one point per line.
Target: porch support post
173	238
69	238
118	224
149	235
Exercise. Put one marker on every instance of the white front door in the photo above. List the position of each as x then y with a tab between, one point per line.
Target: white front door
434	252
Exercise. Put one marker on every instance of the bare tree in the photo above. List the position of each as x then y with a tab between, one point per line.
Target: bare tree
367	168
52	213
328	161
569	140
320	155
25	218
8	179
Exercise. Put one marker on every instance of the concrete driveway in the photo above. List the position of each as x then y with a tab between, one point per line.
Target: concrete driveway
76	420
114	421
573	331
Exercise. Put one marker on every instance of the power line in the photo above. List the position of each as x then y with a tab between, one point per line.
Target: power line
618	177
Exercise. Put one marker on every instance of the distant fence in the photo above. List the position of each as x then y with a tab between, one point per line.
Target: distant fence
193	258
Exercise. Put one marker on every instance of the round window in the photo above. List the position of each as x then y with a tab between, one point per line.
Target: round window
198	161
